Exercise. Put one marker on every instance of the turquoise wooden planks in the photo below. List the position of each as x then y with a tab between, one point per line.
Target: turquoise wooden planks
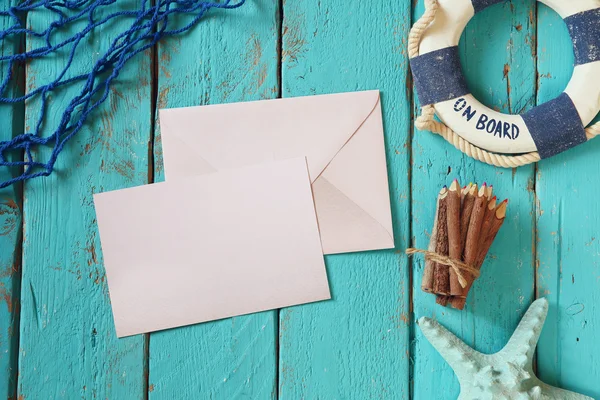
356	345
10	234
230	56
68	345
568	250
498	56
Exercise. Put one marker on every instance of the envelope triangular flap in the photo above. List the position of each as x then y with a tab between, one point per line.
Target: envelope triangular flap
240	134
359	173
344	226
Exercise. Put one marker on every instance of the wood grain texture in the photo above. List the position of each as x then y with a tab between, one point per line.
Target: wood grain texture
11	117
363	343
497	55
230	56
356	345
68	344
568	237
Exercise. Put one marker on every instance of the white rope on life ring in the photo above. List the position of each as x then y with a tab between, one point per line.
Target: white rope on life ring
486	135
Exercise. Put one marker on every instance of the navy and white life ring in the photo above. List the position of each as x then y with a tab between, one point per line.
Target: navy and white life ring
547	129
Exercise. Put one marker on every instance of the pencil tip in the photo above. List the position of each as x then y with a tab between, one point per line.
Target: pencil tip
473	189
482	191
501	210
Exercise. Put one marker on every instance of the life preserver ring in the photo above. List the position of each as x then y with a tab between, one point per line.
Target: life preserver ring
544	131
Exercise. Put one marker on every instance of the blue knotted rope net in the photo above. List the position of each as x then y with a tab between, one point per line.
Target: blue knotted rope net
154	20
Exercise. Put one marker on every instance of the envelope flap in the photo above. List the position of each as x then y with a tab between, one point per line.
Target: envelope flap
344	225
239	134
359	172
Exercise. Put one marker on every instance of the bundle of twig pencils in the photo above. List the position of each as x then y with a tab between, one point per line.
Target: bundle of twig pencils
466	223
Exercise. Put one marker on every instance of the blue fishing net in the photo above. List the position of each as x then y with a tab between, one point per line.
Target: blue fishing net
153	21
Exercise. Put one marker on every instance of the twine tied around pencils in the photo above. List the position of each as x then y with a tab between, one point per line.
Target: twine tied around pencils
458	266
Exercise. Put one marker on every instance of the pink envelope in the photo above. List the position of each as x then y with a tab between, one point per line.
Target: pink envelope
341	136
210	247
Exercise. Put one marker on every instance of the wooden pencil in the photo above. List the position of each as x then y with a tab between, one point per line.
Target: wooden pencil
467	209
497	221
455	247
442	300
472	241
441	277
427	282
453	224
487	219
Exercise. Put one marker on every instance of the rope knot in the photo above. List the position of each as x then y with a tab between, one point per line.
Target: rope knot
457	266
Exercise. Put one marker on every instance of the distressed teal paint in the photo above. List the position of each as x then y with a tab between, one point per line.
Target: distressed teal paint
356	345
68	345
496	53
11	117
363	343
568	235
230	56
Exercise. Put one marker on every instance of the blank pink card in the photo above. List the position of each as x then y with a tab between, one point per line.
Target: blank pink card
213	246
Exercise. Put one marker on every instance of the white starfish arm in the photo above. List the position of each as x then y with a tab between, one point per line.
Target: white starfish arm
521	346
551	392
457	354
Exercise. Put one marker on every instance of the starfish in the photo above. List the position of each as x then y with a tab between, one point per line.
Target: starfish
507	374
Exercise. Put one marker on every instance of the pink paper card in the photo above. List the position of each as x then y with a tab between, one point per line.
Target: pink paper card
214	246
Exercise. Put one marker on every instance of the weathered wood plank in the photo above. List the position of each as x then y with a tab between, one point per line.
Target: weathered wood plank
68	346
12	117
230	56
356	345
497	50
568	239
